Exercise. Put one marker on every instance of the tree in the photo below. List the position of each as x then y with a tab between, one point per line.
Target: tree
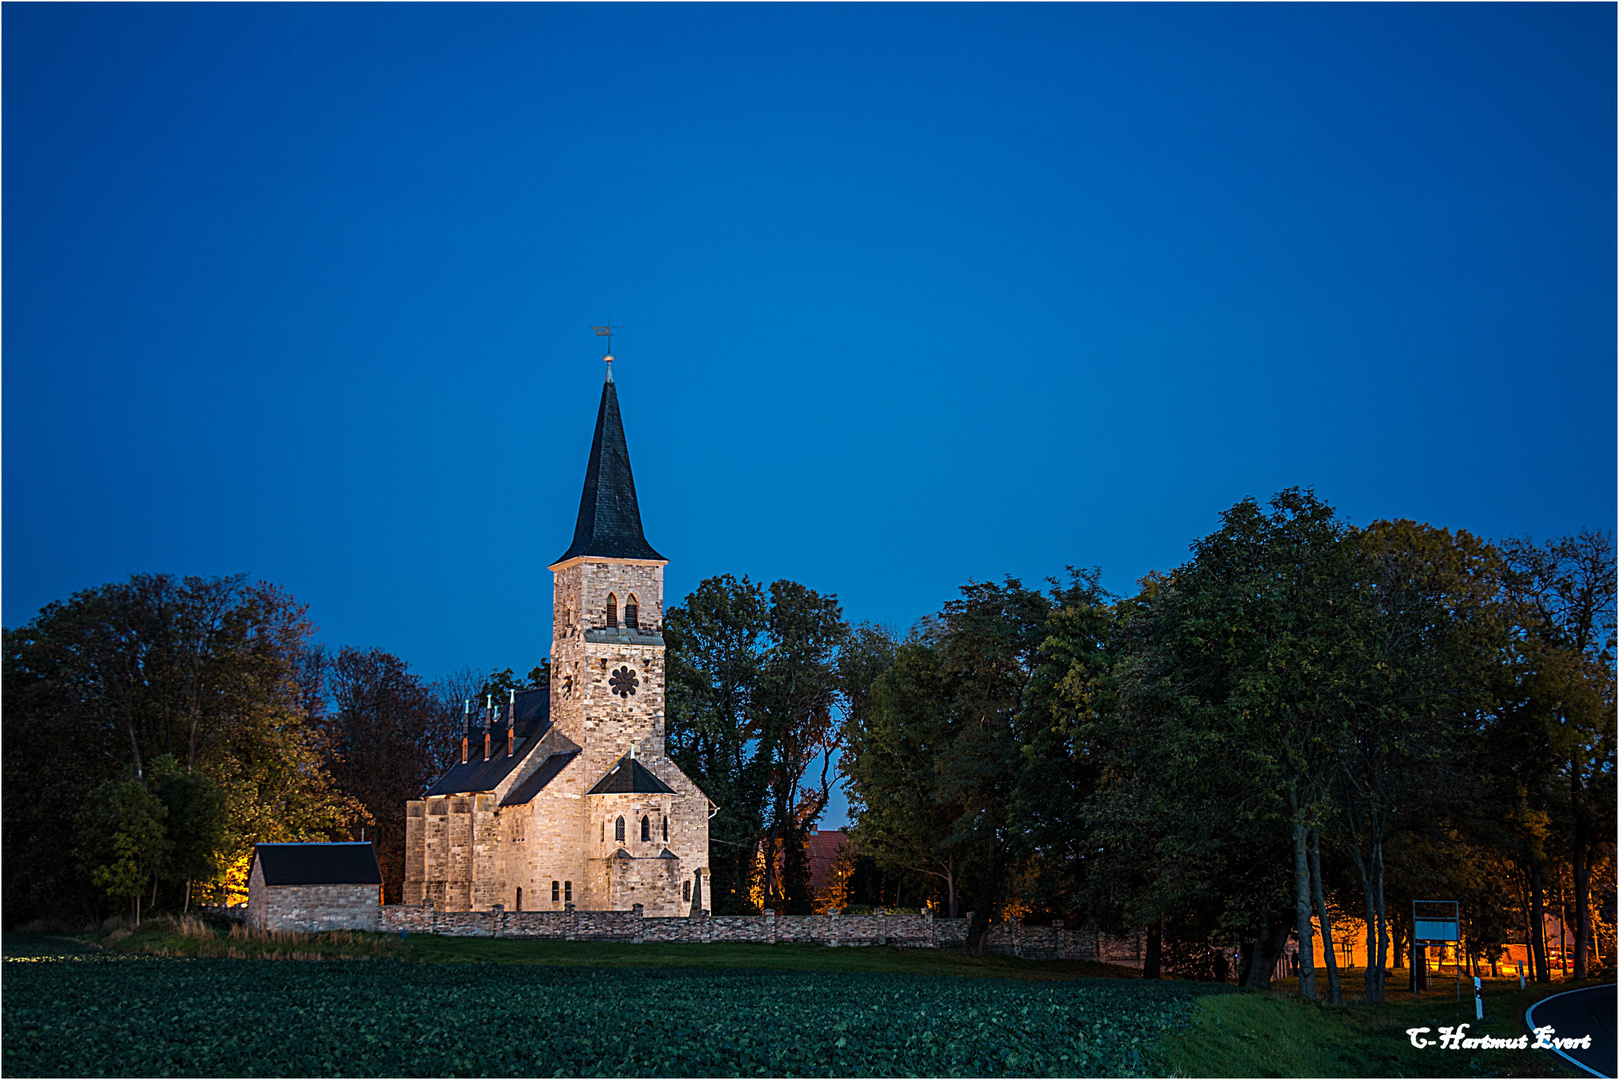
378	744
211	672
793	703
123	843
1562	721
716	641
888	759
194	823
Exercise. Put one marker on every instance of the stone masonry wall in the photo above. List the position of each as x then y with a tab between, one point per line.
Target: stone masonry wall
909	929
313	908
1055	942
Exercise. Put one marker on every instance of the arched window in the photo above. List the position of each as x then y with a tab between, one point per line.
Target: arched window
646	828
519	898
612	610
685	891
556	891
618	830
567	892
632	613
666	830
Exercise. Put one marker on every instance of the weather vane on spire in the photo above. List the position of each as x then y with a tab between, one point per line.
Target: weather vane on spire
607	332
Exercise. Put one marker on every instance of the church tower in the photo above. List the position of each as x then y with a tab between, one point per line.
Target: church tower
607	620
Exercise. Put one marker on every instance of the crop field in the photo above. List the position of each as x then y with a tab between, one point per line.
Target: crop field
98	1014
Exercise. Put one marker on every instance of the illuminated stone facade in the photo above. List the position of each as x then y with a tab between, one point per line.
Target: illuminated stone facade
571	799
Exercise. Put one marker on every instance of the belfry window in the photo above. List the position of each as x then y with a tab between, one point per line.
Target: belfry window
666	830
612	610
646	828
618	830
632	613
567	892
556	891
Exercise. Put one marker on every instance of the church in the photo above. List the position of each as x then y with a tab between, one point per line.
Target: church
565	797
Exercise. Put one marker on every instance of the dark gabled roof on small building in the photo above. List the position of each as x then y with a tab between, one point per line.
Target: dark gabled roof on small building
628	776
533	720
532	784
609	521
318	864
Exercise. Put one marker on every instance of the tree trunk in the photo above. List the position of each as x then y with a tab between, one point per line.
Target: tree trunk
1267	949
978	929
1581	873
1537	912
1335	990
186	910
1301	906
1376	925
1152	963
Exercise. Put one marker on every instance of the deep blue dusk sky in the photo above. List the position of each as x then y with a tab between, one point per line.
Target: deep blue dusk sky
912	294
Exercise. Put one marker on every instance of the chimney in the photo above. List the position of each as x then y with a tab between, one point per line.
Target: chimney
511	725
488	717
466	710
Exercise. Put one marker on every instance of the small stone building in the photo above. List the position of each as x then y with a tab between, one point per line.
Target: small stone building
565	797
313	887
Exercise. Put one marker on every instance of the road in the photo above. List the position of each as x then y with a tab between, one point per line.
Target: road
1579	1012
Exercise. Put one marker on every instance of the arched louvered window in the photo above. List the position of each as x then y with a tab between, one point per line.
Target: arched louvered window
567	892
632	613
556	891
618	830
646	829
612	610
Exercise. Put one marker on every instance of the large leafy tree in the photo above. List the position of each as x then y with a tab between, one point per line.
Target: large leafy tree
1220	764
716	644
210	672
1558	733
888	760
379	744
757	680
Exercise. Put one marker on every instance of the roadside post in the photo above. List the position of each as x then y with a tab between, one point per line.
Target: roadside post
1478	997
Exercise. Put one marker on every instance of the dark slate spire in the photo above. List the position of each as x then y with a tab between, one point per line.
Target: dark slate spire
609	520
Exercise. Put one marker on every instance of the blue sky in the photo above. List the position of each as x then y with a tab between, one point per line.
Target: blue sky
912	294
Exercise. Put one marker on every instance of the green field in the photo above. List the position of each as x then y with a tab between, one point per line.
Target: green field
471	1007
114	1014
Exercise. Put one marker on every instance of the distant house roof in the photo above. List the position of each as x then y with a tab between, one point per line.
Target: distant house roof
628	776
824	847
533	719
609	521
532	784
318	864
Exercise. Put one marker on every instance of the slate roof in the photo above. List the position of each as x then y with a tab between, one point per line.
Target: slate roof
533	721
628	776
609	518
318	864
532	784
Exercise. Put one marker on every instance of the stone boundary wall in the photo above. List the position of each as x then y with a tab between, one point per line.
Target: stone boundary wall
1055	942
908	929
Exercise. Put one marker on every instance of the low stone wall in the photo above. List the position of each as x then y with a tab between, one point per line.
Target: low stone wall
884	928
1057	942
906	929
